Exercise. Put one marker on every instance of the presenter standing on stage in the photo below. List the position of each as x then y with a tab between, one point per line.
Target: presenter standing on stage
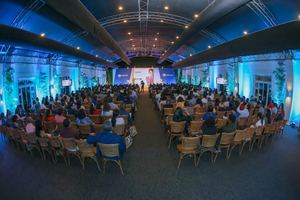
142	86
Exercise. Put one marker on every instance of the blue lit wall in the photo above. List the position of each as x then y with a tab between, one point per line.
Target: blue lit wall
295	111
245	80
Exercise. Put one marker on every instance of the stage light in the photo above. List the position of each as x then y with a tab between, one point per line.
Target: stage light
43	34
134	49
177	37
153	45
129	33
245	32
77	48
299	17
209	46
157	33
133	45
155	39
166	7
191	54
125	21
120	8
186	26
131	39
196	15
172	42
161	20
97	55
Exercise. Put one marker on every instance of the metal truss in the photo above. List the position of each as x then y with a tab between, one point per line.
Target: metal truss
22	17
159	17
261	10
73	37
143	19
217	39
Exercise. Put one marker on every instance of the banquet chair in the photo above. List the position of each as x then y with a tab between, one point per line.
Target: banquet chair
188	146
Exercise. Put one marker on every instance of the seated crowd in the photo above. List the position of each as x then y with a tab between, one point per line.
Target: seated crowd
102	114
202	116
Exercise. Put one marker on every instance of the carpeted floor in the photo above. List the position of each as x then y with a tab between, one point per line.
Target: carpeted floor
150	171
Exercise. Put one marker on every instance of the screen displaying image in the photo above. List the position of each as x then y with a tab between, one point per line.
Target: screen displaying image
66	83
221	81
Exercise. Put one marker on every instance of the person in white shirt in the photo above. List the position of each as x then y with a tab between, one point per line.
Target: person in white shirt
243	111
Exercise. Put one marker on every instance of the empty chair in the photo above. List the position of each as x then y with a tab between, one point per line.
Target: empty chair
45	147
269	131
225	143
110	152
238	141
32	143
195	128
87	151
57	148
176	130
258	136
248	137
188	146
208	144
70	148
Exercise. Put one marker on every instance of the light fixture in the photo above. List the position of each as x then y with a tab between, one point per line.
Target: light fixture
153	45
125	21
133	45
97	55
157	33
177	37
191	54
186	26
120	8
77	48
196	15
155	39
209	46
299	17
131	39
166	7
245	32
134	48
43	34
161	20
172	42
129	33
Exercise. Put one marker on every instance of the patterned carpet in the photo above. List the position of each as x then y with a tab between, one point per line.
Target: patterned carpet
150	171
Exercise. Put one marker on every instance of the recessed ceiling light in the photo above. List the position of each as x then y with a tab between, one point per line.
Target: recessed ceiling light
134	48
245	32
299	17
191	54
157	33
125	21
165	51
129	33
96	55
172	42
161	20
131	39
166	7
186	26
155	39
196	15
153	45
177	37
120	8
133	45
43	34
77	48
209	46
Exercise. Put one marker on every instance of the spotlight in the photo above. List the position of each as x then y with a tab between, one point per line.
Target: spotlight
177	37
172	42
196	15
153	45
299	17
155	39
43	34
209	46
191	54
77	48
129	33
186	26
166	7
161	21
245	33
134	48
125	21
131	39
97	55
133	45
157	33
120	8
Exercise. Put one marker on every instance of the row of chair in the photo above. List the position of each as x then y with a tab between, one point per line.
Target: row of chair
56	146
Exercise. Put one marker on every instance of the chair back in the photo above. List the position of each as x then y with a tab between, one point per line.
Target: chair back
95	118
220	114
177	127
198	116
209	141
269	128
84	128
227	138
72	118
49	126
221	123
168	111
31	138
59	126
239	135
169	119
85	149
43	141
243	122
249	133
119	129
259	130
190	143
196	126
98	128
55	142
109	150
68	144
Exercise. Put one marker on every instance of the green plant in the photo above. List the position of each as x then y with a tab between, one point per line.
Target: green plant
230	78
9	91
205	73
280	77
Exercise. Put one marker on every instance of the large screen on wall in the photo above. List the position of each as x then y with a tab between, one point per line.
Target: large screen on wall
148	75
221	81
66	83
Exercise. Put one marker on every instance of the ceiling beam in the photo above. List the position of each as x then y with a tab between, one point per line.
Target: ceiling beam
78	14
14	36
276	39
214	11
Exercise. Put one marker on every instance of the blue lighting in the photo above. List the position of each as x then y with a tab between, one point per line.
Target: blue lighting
245	80
295	111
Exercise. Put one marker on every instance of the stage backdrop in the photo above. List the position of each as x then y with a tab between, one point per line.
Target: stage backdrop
148	75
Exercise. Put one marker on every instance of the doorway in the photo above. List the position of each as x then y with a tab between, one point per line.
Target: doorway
27	93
